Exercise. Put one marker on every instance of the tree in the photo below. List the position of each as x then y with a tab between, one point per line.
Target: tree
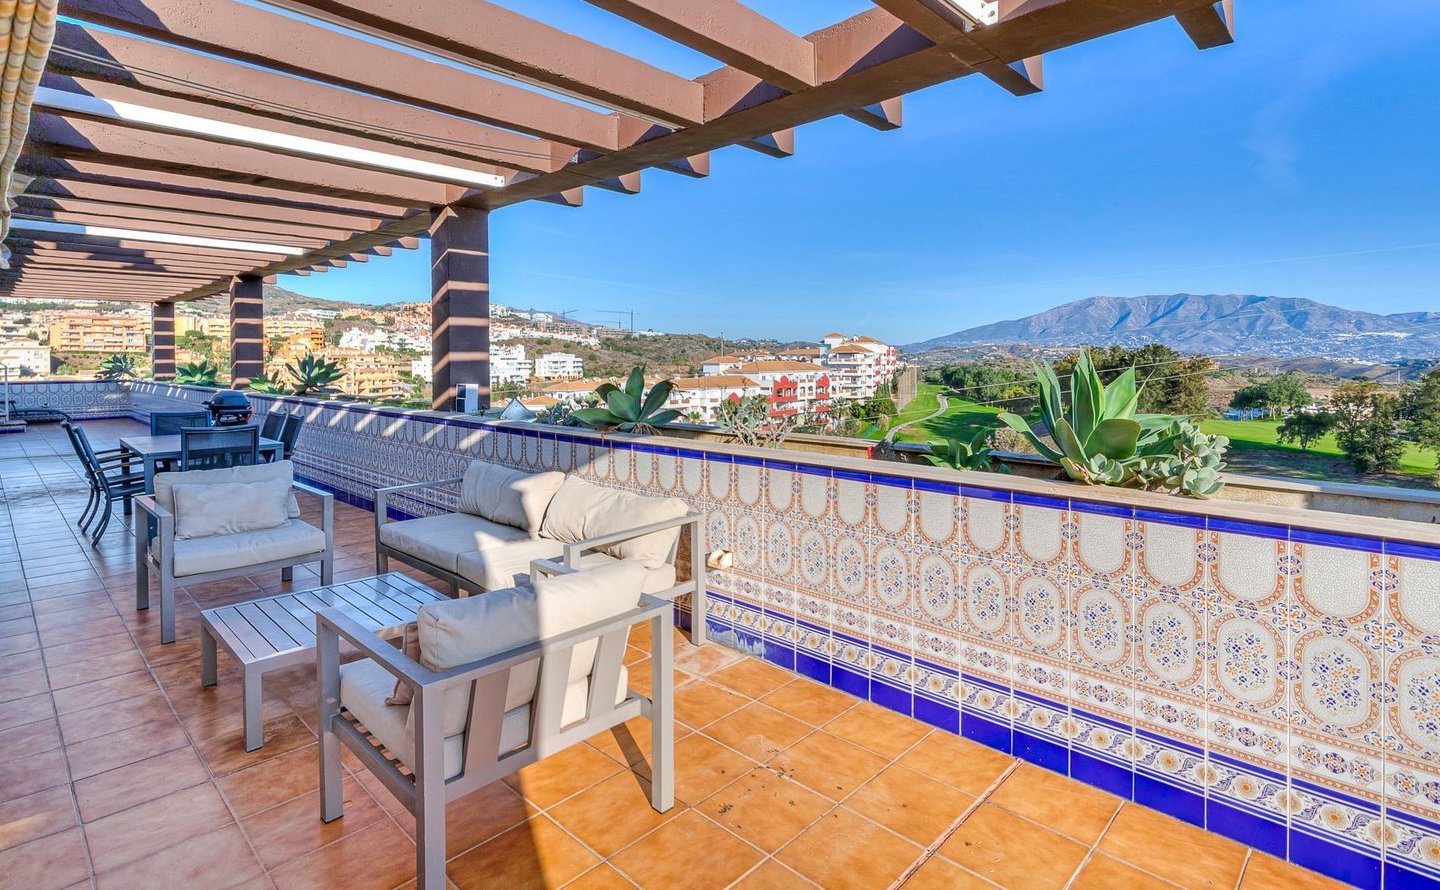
1306	428
1365	420
1423	408
1170	383
1287	392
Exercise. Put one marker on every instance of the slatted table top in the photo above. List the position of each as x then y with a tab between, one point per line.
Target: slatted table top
277	626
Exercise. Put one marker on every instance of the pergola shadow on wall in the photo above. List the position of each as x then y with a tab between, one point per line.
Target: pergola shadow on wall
179	149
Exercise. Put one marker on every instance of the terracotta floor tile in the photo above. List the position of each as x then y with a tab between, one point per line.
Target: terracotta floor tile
704	766
559	776
688	851
809	701
20	662
73	632
1011	851
272	782
758	731
939	873
225	754
536	853
701	703
829	765
765	808
109	644
1104	872
23	685
124	787
26	775
772	875
133	834
51	863
26	710
218	859
1172	849
75	673
967	765
880	729
92	722
38	815
475	818
702	661
28	740
629	743
752	677
293	829
910	803
1268	873
94	756
844	850
601	877
1069	807
375	858
103	692
612	814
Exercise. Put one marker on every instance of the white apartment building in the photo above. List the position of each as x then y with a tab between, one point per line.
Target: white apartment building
859	366
793	387
502	332
369	341
720	364
559	366
698	399
508	364
24	356
424	368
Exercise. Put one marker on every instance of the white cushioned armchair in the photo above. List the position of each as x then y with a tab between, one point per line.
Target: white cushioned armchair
484	686
208	525
508	518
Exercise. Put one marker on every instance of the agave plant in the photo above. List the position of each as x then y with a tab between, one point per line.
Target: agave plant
201	373
313	374
263	384
631	409
117	367
966	454
1097	437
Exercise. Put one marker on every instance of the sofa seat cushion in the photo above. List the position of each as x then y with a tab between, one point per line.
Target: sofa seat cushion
440	540
582	510
197	556
506	563
364	686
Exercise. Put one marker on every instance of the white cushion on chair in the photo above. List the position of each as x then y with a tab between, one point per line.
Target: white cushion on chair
582	510
280	469
439	540
228	508
198	556
508	565
507	496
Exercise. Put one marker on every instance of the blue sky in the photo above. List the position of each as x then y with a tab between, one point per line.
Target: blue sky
1304	161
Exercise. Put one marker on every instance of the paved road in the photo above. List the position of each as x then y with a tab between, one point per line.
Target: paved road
944	406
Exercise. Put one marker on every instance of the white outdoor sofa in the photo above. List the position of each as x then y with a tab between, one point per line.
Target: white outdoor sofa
508	518
209	525
484	686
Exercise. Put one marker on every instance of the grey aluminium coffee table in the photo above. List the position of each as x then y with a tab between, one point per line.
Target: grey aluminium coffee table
276	632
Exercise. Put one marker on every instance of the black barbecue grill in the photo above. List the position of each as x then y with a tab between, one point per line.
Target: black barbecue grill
229	408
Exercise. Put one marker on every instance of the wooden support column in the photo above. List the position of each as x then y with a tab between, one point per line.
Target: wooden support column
162	340
247	329
460	303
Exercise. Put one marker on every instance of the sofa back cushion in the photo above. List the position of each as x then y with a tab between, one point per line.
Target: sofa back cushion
209	509
457	632
509	497
281	469
582	510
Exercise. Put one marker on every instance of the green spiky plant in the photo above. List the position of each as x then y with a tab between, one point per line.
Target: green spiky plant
263	384
313	374
966	454
1097	437
630	409
119	366
201	373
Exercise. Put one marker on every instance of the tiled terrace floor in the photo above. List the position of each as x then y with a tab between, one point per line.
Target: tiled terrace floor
118	770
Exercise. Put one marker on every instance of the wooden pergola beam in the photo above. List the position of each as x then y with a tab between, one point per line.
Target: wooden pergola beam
125	214
1210	25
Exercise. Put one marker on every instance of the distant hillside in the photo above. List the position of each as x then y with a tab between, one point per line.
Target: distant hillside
1216	324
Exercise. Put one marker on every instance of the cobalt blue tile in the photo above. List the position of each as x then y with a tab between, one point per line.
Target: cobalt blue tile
1038	500
950	488
851	475
1157	795
817	669
891	481
1100	509
1330	539
716	626
849	681
1398	877
748	640
1102	774
984	494
780	654
940	716
1330	859
747	461
985	731
1041	751
1418	551
886	696
1250	829
1187	520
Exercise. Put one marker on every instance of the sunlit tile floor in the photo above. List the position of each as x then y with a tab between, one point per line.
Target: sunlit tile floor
118	770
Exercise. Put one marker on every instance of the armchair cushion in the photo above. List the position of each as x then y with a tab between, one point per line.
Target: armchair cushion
197	556
507	496
508	565
281	469
440	540
582	510
227	508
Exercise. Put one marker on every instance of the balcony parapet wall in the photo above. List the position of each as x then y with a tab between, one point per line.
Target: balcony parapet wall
1268	672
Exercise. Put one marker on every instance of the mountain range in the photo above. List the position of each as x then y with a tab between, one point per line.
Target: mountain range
1214	324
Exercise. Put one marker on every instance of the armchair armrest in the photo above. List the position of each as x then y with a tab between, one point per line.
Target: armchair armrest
382	495
334	625
163	528
574	551
327	505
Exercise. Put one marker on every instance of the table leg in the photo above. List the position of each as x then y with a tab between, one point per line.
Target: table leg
207	657
254	721
149	474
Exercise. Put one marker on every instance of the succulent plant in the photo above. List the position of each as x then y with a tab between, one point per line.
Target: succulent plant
313	374
119	366
262	383
1096	436
201	373
631	409
966	454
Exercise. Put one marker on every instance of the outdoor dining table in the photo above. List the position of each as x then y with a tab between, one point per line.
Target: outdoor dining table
155	449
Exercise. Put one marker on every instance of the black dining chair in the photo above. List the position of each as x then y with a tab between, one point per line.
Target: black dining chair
271	426
170	423
291	433
213	448
108	482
